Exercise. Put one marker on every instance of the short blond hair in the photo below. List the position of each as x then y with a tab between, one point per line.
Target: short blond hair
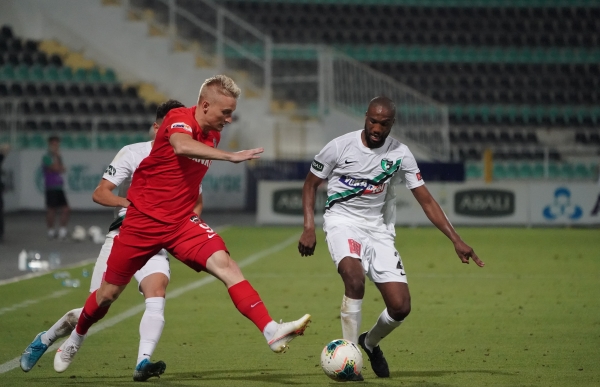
221	84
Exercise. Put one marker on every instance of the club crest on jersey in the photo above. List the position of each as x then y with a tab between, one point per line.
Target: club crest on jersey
386	164
195	219
110	171
181	125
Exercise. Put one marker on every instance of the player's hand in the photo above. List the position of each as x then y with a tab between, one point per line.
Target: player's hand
244	155
465	252
307	243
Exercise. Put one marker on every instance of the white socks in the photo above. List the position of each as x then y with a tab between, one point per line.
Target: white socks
62	233
151	327
351	318
383	327
270	330
62	327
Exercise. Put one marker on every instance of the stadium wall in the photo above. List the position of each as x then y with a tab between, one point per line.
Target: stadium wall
223	187
465	204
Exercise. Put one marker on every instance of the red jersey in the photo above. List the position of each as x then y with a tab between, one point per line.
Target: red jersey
165	185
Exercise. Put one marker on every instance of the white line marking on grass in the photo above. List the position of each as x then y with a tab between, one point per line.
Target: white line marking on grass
14	363
41	273
26	303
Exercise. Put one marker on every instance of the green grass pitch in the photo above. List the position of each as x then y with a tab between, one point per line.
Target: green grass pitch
531	317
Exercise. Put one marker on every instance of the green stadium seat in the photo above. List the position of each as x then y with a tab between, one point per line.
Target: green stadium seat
22	141
474	171
525	171
36	141
93	75
567	171
499	171
51	74
538	171
36	73
107	141
553	171
7	72
581	171
124	139
22	73
512	171
66	141
109	76
65	74
80	75
82	141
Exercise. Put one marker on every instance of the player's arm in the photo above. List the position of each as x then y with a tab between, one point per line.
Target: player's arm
436	215
103	195
308	239
184	145
198	206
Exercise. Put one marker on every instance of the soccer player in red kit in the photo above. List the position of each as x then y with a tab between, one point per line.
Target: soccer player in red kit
162	195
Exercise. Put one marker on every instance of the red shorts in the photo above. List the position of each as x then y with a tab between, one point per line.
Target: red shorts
141	237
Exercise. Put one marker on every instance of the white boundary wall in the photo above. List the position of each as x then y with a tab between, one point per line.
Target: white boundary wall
224	186
468	204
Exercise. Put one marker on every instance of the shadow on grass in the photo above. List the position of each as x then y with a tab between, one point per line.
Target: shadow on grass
260	377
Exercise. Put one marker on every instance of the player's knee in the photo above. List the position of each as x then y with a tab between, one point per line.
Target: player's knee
355	287
399	312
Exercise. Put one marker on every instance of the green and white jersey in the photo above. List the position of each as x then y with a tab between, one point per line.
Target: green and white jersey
361	180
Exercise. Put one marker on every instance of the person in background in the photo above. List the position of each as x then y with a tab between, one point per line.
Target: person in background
53	169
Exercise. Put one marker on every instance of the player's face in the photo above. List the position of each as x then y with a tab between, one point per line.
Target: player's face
219	112
378	124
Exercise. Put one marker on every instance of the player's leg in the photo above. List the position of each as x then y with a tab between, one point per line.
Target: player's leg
347	252
199	247
129	253
387	272
153	279
50	217
65	325
64	221
353	276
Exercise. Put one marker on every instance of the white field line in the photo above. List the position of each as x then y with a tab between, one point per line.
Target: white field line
14	363
26	303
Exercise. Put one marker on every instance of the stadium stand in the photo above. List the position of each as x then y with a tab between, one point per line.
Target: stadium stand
506	69
46	89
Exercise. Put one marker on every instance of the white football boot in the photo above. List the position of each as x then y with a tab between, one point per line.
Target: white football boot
287	332
65	354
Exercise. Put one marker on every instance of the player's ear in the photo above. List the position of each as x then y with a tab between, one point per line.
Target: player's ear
204	105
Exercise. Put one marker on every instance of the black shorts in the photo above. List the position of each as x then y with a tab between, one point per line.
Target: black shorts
55	198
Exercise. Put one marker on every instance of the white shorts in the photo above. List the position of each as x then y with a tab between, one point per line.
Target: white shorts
380	259
157	264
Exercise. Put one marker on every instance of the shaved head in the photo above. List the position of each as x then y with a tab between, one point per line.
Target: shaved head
384	103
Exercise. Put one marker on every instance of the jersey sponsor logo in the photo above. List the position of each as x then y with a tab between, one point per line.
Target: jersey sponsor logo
181	125
317	165
367	187
204	162
354	247
419	177
348	162
195	219
110	171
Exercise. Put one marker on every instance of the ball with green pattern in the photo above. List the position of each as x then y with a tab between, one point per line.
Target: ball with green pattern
341	360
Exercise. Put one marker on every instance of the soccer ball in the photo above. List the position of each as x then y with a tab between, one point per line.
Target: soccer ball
341	360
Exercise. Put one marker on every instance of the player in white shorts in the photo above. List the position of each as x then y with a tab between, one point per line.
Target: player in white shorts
362	168
153	278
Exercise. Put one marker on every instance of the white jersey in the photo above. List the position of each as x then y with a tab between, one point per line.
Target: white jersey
120	171
361	180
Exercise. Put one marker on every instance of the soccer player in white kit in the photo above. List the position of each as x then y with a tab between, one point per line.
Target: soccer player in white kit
153	278
362	168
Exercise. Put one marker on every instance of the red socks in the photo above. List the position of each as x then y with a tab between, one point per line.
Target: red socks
91	314
248	302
